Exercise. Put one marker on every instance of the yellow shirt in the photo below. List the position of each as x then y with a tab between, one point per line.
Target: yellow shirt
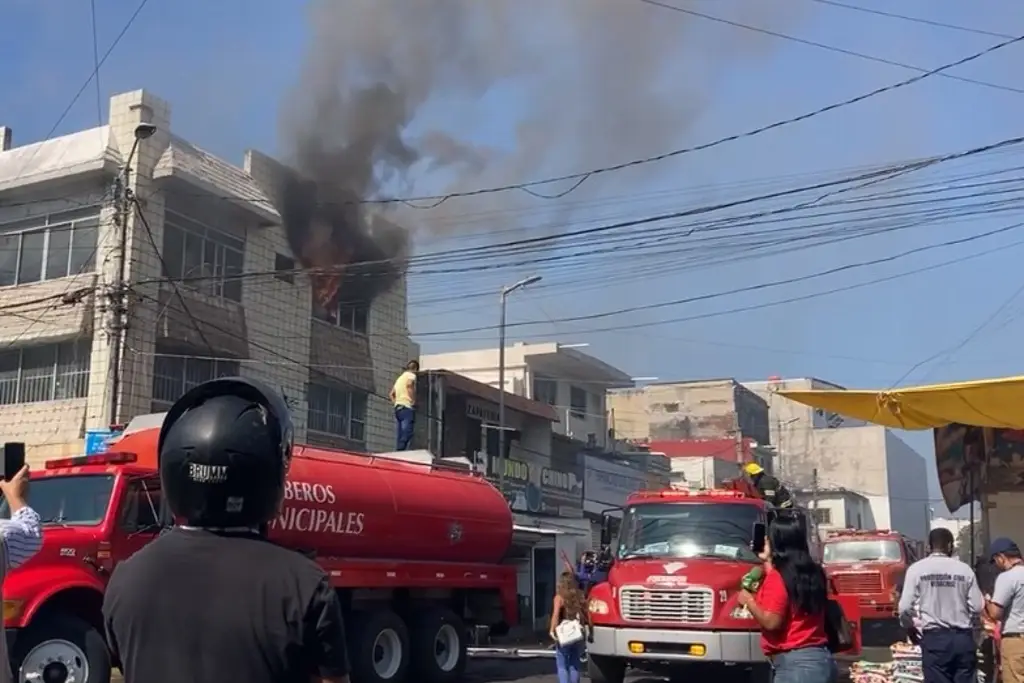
405	390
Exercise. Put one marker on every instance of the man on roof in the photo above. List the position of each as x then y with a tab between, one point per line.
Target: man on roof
769	488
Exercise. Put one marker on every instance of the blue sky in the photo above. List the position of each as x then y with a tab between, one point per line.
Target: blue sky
226	66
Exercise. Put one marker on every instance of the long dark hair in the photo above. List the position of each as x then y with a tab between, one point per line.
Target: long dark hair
572	596
791	557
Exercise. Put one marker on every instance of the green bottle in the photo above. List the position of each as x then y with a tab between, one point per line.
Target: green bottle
752	580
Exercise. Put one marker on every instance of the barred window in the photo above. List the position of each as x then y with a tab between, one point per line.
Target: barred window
174	375
341	412
49	372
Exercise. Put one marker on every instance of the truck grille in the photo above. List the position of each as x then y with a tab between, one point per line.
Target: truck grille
680	606
858	582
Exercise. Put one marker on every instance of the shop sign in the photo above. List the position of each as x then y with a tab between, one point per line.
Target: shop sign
532	487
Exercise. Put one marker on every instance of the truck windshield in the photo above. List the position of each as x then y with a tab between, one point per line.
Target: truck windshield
689	530
79	500
866	550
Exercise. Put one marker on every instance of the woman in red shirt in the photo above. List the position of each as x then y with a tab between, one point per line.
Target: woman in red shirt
790	608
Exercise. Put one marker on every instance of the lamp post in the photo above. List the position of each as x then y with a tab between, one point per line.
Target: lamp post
123	200
505	291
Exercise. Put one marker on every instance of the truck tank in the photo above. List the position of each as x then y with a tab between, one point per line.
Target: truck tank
395	507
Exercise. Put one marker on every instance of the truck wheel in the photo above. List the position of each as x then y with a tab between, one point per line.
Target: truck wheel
59	650
606	669
380	648
439	646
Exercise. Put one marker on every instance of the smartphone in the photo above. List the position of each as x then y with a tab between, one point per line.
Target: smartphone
14	459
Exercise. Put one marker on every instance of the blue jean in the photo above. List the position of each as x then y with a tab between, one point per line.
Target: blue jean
405	420
806	665
567	662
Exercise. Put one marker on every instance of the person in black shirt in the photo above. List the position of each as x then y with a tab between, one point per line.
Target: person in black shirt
770	488
214	600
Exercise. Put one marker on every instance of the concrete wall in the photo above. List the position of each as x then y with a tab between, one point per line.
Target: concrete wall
688	410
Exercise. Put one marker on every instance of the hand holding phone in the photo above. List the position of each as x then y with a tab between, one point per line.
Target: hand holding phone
13	460
15	489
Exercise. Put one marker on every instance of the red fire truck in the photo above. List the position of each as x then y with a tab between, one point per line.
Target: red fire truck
414	547
670	599
869	565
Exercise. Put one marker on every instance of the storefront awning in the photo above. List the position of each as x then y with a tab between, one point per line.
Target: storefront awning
997	403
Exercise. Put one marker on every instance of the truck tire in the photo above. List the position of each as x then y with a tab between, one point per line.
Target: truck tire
606	669
58	648
438	646
379	647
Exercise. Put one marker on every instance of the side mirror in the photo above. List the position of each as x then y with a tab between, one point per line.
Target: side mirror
606	530
760	533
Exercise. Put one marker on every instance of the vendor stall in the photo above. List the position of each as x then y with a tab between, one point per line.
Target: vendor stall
978	429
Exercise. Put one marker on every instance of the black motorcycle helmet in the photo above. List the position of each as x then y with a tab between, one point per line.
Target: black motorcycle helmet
224	451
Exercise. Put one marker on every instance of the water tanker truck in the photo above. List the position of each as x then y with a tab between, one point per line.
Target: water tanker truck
670	601
413	546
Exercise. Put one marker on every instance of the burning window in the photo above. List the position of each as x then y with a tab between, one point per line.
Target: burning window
352	316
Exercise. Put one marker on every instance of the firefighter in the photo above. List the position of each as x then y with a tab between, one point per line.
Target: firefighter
213	600
768	486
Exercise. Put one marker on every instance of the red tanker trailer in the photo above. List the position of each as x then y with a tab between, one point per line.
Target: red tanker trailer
412	545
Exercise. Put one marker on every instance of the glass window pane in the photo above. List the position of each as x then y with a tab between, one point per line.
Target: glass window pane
37	374
58	252
84	241
233	262
10	362
197	371
168	374
174	251
193	259
360	319
337	415
9	259
317	397
30	267
72	379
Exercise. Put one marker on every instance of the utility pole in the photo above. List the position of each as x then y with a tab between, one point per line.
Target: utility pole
505	291
124	204
814	495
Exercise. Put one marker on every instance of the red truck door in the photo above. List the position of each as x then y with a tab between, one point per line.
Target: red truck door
138	519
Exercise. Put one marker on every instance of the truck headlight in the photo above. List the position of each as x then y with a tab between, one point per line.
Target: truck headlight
598	607
740	613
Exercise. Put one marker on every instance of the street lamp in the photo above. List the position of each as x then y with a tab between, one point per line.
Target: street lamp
505	291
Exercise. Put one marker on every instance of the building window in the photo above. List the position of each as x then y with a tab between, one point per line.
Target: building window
203	259
52	372
174	375
48	247
822	516
354	317
284	268
578	402
545	390
341	412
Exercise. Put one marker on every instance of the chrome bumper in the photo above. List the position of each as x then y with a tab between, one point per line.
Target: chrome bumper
740	647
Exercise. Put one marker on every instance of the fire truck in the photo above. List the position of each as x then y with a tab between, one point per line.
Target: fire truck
669	603
414	547
870	565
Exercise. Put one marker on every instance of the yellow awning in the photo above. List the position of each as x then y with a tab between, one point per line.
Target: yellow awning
985	403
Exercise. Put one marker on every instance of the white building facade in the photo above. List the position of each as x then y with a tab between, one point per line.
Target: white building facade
213	290
850	454
571	381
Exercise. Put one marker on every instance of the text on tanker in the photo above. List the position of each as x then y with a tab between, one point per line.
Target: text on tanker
318	515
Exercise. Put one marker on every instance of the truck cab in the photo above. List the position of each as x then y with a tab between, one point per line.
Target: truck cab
870	565
670	602
96	510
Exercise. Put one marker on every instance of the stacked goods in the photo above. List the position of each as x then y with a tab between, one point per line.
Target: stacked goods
906	659
871	672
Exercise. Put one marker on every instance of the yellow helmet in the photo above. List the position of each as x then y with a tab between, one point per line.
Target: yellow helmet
753	469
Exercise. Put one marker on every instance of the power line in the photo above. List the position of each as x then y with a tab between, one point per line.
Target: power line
94	74
916	20
831	48
96	63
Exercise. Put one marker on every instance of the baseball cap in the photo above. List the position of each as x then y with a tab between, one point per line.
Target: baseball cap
1002	545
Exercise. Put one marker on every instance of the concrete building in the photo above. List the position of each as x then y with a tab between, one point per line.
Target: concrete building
710	463
867	459
214	290
674	411
564	377
837	508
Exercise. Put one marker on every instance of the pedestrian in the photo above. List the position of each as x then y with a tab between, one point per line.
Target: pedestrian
213	600
790	607
1006	606
948	606
21	537
403	396
566	608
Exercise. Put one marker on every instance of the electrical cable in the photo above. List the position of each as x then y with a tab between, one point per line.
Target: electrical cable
916	20
830	48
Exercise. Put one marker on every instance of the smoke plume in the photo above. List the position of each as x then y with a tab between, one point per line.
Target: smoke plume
395	97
